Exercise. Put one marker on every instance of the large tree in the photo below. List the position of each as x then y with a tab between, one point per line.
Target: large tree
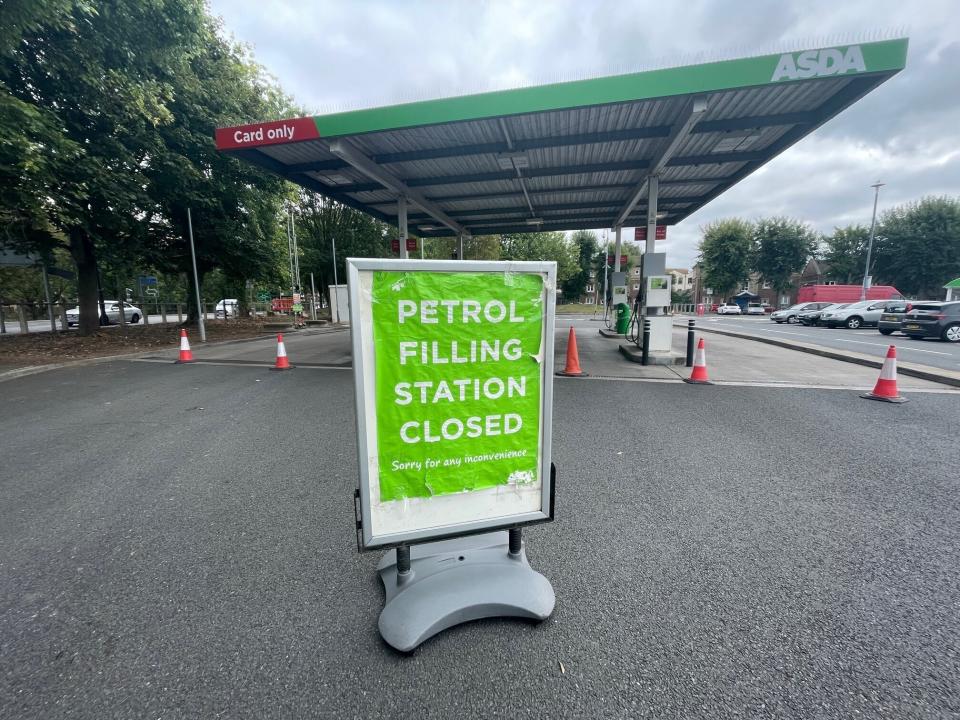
845	253
322	223
725	254
781	247
542	246
585	244
237	208
87	84
918	246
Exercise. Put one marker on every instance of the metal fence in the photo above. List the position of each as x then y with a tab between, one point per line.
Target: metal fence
30	317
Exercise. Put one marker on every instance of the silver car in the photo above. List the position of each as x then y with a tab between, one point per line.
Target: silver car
790	314
130	313
858	314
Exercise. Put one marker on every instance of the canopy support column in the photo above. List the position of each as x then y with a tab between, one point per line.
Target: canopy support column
653	192
402	225
616	250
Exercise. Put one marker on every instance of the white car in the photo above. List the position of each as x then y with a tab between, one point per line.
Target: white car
729	309
130	313
754	309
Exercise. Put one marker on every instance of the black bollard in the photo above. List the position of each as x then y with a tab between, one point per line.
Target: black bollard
690	338
645	357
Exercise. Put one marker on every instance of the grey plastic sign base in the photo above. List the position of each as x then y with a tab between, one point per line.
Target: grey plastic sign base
455	581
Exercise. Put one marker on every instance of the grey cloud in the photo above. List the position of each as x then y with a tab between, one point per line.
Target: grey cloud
333	53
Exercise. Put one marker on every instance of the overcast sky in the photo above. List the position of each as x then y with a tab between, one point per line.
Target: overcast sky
339	54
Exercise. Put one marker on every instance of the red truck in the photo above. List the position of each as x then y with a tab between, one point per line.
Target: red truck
845	293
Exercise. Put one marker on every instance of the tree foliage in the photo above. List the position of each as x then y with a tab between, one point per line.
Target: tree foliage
542	246
585	244
725	254
107	114
781	247
845	252
918	246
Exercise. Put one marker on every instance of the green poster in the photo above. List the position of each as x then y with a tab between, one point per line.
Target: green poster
457	366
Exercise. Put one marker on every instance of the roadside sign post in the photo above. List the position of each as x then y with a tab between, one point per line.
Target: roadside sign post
453	366
196	281
333	248
46	292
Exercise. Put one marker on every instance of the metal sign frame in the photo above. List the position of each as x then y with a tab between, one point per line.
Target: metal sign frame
364	396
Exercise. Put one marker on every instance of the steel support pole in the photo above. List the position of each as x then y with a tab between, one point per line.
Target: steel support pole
616	249
515	539
460	247
313	299
46	291
196	280
653	193
296	253
402	225
334	295
873	223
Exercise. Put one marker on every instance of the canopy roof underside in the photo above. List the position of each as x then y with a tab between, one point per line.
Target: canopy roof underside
573	155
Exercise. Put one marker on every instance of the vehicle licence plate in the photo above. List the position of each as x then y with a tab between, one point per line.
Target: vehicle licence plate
888	317
912	326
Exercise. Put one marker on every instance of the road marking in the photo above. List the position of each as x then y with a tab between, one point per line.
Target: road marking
747	383
246	364
899	347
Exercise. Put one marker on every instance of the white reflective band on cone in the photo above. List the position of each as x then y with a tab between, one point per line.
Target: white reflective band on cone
184	343
281	350
889	369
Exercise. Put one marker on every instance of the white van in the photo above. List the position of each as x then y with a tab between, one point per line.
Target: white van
230	306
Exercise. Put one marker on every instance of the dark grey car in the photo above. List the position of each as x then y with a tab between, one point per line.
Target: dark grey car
938	320
892	317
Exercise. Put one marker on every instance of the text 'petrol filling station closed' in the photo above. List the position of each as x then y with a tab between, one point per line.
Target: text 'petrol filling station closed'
435	352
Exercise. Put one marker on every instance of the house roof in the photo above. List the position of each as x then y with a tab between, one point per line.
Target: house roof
573	155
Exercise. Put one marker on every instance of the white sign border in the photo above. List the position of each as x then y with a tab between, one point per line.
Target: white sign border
357	265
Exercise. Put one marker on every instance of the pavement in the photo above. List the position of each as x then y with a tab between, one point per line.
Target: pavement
177	541
867	341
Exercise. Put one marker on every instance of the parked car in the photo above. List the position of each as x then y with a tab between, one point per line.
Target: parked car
228	305
130	313
892	317
754	309
789	315
933	319
812	317
858	314
729	309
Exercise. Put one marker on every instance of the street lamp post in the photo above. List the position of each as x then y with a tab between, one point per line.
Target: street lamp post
873	223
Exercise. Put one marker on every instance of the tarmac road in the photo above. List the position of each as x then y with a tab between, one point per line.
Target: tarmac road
177	541
866	340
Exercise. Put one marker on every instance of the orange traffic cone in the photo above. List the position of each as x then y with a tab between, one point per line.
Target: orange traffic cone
282	362
886	387
186	355
699	374
573	358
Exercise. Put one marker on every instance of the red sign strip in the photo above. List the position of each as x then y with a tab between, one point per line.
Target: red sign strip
268	133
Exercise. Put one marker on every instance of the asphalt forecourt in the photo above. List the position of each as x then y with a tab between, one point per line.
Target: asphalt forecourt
179	539
729	359
937	361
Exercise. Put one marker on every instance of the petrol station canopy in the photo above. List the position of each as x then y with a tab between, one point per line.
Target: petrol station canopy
572	155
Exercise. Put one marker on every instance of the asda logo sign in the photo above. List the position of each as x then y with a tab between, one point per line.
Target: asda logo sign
819	63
